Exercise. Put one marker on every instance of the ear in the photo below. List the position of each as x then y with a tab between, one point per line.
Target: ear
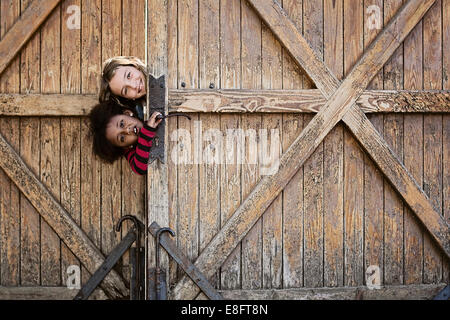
128	112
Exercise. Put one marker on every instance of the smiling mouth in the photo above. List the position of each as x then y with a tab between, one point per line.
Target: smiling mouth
135	130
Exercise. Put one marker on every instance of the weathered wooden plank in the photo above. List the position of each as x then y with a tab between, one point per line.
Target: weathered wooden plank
393	207
172	83
373	178
313	222
50	146
162	36
340	102
44	293
432	79
373	24
209	143
50	178
353	211
188	175
413	155
23	29
57	218
9	79
70	127
292	202
313	167
293	211
393	69
240	101
30	71
353	157
374	207
70	183
446	121
413	160
409	292
251	59
313	32
30	233
271	78
230	175
230	190
293	74
30	220
252	242
10	224
432	182
90	163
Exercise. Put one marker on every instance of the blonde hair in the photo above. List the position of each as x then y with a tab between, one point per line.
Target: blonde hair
109	69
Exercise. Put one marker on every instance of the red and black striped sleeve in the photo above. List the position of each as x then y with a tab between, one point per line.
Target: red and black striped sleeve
137	157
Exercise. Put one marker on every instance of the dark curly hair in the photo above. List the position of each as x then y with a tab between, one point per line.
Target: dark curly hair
99	118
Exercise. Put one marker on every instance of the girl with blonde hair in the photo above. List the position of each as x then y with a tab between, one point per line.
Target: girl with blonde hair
124	80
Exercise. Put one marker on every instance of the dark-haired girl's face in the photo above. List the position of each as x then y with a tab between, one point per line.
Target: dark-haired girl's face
123	130
128	82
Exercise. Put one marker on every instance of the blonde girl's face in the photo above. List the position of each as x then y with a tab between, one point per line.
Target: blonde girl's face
128	82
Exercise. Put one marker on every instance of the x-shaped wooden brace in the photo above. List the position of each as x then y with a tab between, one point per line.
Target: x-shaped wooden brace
340	106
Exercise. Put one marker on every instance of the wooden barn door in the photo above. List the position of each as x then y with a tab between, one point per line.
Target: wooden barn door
346	193
317	155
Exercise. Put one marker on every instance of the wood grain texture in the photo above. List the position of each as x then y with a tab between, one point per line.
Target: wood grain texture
10	223
57	218
413	155
230	175
50	146
292	202
251	257
18	35
272	223
432	78
269	187
413	232
30	233
413	292
90	163
393	207
234	101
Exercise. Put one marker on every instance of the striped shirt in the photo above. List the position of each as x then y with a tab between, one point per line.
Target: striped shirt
137	157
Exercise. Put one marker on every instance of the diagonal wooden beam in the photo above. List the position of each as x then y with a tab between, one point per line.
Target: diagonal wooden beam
58	218
23	29
361	127
338	104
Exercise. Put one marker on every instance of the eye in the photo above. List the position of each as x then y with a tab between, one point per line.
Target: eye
128	75
122	138
121	123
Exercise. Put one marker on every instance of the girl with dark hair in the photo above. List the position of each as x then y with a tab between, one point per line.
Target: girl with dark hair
117	131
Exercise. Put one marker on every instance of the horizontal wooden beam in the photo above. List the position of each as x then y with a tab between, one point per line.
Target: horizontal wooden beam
404	292
23	29
308	101
58	218
45	293
221	101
